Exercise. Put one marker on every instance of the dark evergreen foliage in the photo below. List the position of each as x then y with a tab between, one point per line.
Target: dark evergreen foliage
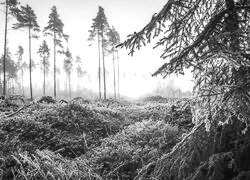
55	29
212	39
44	53
10	8
114	40
100	30
68	67
26	18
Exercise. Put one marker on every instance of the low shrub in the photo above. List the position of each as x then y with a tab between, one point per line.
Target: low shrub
122	155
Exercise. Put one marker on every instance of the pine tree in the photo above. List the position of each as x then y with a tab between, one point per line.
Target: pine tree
68	66
11	68
212	38
10	7
55	29
114	40
79	71
20	65
118	74
26	18
44	53
100	28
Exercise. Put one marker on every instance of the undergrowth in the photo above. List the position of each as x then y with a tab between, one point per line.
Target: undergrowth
91	140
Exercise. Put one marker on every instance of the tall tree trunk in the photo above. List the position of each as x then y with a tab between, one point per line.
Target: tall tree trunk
66	84
5	48
69	87
30	65
44	76
78	83
54	65
118	75
103	65
99	68
13	86
1	86
114	74
81	81
22	83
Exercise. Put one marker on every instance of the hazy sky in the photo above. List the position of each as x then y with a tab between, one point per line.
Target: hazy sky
127	16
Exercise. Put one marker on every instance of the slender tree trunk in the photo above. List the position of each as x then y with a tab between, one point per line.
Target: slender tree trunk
103	64
54	65
1	86
78	82
30	65
99	68
44	76
5	48
13	86
66	84
69	87
114	74
81	81
118	75
22	83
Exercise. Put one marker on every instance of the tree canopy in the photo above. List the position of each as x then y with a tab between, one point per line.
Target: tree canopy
11	66
114	38
68	65
100	25
100	29
19	54
55	27
212	38
44	53
26	18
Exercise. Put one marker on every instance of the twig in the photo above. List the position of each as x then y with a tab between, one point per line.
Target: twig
180	144
144	170
16	112
117	169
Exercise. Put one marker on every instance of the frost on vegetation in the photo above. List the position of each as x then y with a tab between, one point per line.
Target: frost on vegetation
124	154
45	165
98	139
121	140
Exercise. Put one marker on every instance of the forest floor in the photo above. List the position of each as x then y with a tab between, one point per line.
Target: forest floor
83	139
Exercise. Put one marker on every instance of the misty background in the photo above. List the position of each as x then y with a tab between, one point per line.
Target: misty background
135	72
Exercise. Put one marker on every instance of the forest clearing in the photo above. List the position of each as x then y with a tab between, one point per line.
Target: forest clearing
75	120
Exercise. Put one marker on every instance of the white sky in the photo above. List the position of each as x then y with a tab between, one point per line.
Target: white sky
127	16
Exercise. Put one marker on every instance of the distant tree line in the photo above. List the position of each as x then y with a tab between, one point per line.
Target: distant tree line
106	37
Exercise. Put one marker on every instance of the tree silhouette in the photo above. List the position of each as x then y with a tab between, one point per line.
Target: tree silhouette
21	64
100	28
114	40
79	71
11	67
26	18
55	29
68	66
9	8
44	53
